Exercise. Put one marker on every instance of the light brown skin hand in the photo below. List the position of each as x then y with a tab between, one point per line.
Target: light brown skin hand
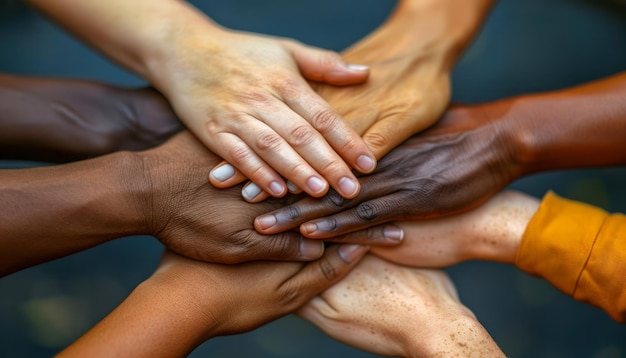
185	302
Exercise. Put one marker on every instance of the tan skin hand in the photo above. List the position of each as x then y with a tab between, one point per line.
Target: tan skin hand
185	302
393	310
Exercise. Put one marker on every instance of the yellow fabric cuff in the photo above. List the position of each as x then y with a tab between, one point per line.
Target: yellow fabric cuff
581	250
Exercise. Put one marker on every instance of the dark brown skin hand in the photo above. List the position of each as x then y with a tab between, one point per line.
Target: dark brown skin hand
58	121
472	153
196	220
454	166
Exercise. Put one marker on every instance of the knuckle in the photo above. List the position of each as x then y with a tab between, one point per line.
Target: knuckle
290	296
376	140
329	58
286	86
253	96
328	270
268	141
284	247
238	155
335	199
289	214
367	212
325	120
302	135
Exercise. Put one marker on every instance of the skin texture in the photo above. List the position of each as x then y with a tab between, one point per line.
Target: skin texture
393	310
411	55
491	232
244	96
469	155
186	302
161	192
58	121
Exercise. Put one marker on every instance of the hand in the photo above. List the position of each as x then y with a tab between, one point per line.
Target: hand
467	157
245	97
407	90
186	302
65	120
255	293
196	220
392	310
492	232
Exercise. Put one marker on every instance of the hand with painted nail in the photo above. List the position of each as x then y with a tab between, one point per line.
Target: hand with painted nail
244	95
194	219
393	310
454	166
185	302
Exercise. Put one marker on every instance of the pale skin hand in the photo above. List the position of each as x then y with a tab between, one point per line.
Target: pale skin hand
393	310
186	302
244	96
490	232
410	57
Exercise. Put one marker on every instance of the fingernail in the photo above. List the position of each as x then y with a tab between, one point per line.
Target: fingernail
266	221
365	163
223	173
311	249
276	188
347	186
315	184
350	252
308	228
356	67
250	191
293	188
393	233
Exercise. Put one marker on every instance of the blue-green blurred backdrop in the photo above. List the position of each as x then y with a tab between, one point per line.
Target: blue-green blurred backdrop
526	46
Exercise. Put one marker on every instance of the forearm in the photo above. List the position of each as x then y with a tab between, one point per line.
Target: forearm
139	35
55	211
42	119
157	319
444	27
584	126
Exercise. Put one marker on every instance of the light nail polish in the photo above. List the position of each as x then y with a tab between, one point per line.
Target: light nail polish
250	191
223	173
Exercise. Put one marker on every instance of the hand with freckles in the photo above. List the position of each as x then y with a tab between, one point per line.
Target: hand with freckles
392	310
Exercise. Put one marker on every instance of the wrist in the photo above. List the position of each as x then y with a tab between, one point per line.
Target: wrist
441	27
460	335
169	43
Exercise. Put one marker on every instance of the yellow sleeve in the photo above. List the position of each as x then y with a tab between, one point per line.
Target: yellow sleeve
581	250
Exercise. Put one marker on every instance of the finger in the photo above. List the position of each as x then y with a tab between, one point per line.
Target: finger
287	246
304	140
388	133
293	188
381	235
308	209
253	194
241	156
364	215
327	66
320	274
341	137
225	175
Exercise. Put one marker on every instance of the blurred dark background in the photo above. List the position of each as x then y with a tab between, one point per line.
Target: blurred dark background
526	46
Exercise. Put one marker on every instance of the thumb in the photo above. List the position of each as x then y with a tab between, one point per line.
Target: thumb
327	66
